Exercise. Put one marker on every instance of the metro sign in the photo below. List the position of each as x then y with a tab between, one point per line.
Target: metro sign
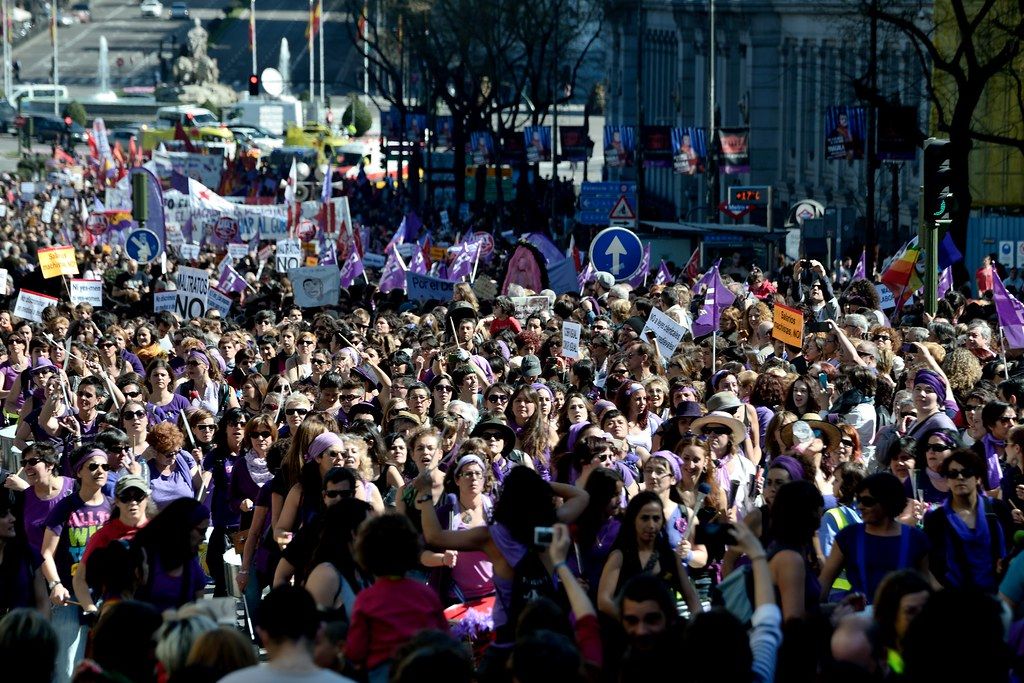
758	195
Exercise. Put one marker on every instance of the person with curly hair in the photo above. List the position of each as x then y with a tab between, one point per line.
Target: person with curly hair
963	370
173	472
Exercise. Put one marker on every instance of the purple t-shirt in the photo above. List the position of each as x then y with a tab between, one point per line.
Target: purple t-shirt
10	375
171	592
177	484
37	511
169	412
74	523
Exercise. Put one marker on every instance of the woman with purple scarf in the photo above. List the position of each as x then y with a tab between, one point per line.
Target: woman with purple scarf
997	418
931	392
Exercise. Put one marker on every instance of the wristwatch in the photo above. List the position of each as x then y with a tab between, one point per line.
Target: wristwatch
50	585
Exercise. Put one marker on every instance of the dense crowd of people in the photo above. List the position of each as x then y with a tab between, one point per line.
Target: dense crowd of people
400	490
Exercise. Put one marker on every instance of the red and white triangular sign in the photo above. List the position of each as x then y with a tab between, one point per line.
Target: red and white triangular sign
622	211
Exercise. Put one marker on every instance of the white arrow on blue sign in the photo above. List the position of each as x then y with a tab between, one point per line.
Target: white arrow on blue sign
617	251
142	245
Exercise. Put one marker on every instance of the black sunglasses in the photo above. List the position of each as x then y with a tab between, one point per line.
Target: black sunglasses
31	462
132	414
339	494
965	473
93	466
132	496
717	431
295	411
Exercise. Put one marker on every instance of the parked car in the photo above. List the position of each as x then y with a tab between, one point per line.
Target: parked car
151	8
49	129
179	10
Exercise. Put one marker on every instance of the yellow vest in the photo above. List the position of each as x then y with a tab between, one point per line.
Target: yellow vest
841	583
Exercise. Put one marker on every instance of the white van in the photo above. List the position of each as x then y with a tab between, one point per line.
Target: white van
187	115
34	91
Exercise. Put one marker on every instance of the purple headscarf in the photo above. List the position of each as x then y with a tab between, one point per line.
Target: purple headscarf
934	381
321	444
791	465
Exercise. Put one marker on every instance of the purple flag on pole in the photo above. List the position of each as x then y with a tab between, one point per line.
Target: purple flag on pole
859	273
230	280
352	268
399	238
465	256
945	282
645	265
717	298
664	275
588	273
418	264
1010	312
413	225
393	275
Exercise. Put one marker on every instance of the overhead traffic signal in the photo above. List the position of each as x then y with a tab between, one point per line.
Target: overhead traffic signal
254	85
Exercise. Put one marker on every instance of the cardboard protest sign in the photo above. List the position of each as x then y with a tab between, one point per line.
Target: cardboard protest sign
571	333
56	261
788	325
528	305
216	299
30	305
193	286
87	292
315	286
164	301
289	253
667	332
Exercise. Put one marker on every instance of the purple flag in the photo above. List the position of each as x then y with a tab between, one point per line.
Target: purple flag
859	273
351	269
587	274
466	255
418	264
413	225
945	282
399	238
1010	312
717	298
230	280
393	275
645	266
664	275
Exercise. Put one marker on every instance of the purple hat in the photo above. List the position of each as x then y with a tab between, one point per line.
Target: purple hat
932	380
791	465
574	434
673	462
321	444
602	406
687	409
94	453
196	354
43	364
540	386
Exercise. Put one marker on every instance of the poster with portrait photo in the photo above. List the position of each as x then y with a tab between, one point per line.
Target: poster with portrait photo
619	146
845	132
689	149
657	143
315	286
443	132
415	127
538	143
481	147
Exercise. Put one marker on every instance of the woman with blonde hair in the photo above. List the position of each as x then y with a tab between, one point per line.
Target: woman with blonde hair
464	292
357	458
963	370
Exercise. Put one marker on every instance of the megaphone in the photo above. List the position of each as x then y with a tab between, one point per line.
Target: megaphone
302	192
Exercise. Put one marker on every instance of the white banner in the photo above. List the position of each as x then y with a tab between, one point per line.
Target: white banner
30	305
87	291
189	252
315	286
238	251
164	301
216	299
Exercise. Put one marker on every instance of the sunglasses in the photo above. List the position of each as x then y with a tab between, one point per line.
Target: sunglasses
295	411
338	494
132	496
498	398
106	344
262	435
132	414
443	387
880	337
306	342
716	431
320	361
965	473
131	394
93	466
846	442
867	501
31	462
206	427
487	436
937	447
351	397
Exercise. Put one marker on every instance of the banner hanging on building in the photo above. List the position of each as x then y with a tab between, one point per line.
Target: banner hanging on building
575	144
657	145
734	157
619	146
845	134
689	150
538	143
481	144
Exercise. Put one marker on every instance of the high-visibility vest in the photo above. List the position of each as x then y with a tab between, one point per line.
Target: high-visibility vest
841	583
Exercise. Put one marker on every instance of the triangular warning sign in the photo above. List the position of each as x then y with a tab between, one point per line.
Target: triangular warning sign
622	211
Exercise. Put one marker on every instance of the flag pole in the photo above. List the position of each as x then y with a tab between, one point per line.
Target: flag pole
312	55
1006	368
252	32
323	98
476	262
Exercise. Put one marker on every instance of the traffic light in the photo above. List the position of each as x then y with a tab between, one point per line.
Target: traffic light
938	197
254	85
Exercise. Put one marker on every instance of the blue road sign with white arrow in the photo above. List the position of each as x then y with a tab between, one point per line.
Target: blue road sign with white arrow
618	251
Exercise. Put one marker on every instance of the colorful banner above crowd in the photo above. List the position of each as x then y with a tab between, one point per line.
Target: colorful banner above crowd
846	128
734	157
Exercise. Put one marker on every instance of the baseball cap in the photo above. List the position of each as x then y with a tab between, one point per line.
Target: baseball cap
131	481
530	366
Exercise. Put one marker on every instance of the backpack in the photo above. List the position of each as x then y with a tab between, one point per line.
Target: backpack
532	581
